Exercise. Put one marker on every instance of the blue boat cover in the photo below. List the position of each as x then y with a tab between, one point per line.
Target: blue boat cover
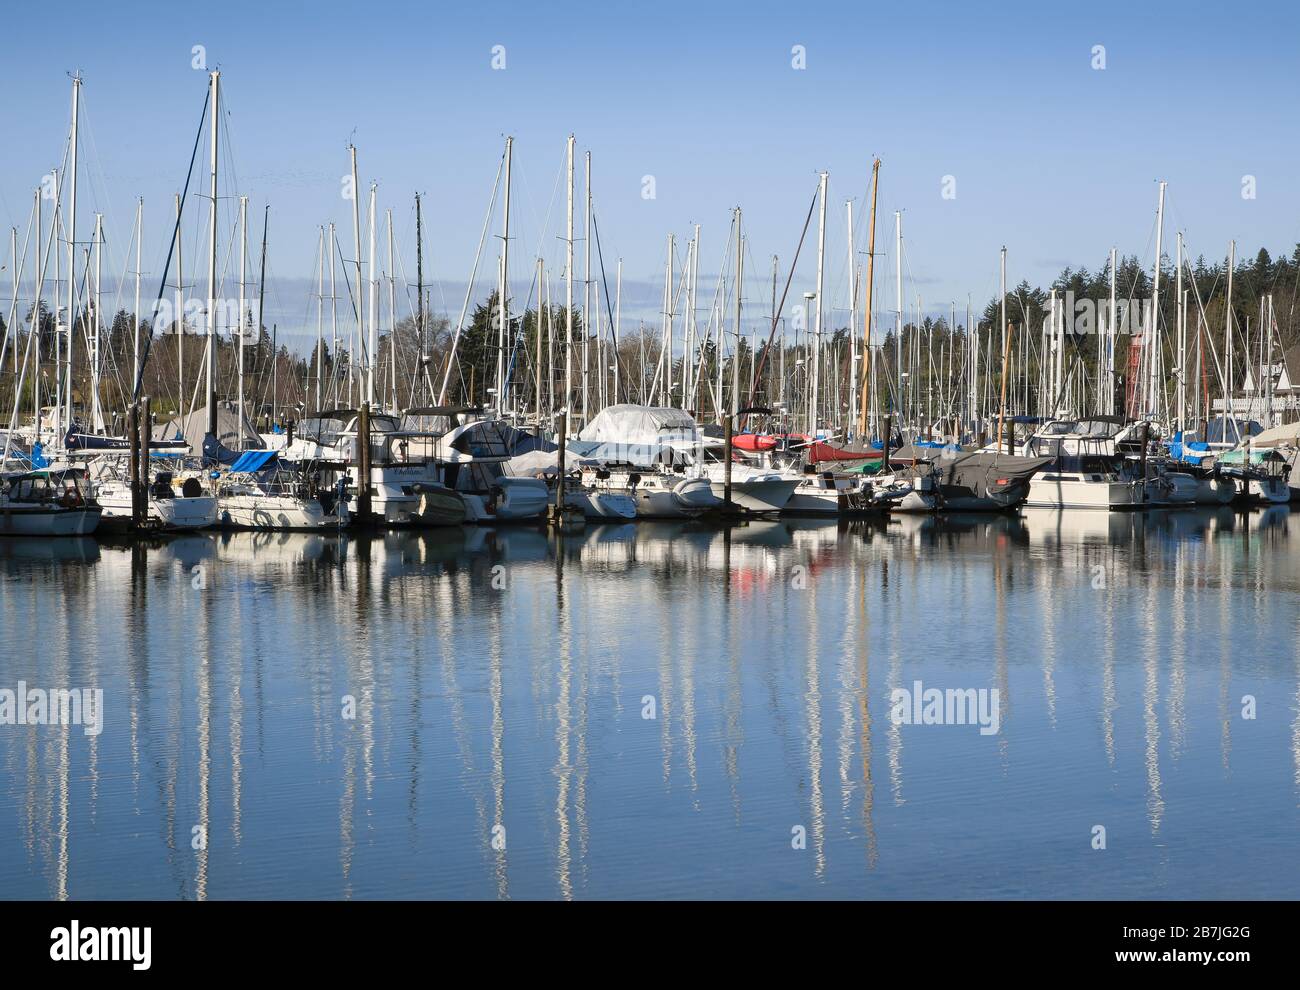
252	461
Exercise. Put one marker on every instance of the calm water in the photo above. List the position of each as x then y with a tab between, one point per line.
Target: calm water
501	681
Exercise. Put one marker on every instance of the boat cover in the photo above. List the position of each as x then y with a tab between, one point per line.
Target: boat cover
630	424
252	461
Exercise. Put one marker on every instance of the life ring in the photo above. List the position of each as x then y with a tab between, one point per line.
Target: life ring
71	499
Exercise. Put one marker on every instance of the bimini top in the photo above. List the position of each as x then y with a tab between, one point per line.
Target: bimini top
648	425
252	461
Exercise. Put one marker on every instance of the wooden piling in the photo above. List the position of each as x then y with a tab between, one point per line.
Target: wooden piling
133	436
726	471
363	464
145	425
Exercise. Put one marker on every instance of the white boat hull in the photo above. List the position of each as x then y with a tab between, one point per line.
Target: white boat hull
41	521
1266	491
516	500
758	494
1053	493
275	512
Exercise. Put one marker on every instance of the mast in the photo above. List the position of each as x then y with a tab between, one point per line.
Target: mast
212	261
666	352
735	360
898	296
392	311
72	259
139	238
1153	344
372	336
419	290
866	319
97	411
618	319
586	300
537	329
503	305
568	292
38	273
243	281
853	321
817	327
10	331
1228	409
1180	413
1002	304
688	349
356	255
179	321
1112	335
320	314
261	316
334	316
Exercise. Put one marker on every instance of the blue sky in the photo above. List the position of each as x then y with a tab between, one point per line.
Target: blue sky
1051	157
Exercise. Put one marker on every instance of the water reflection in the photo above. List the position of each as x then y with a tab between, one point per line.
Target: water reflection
652	710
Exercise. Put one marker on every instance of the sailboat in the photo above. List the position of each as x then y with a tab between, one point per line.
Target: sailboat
48	502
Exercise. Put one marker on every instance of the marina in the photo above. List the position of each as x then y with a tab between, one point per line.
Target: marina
716	453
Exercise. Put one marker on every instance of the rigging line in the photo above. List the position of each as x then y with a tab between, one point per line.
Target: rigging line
758	371
162	285
469	288
609	311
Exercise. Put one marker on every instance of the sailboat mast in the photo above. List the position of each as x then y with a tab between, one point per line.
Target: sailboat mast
38	280
1153	342
320	313
243	282
334	315
392	311
212	260
618	318
866	318
97	411
537	329
419	290
1228	409
261	312
568	291
853	320
735	357
356	255
372	335
1112	335
179	321
1181	411
135	336
503	306
586	296
817	327
72	258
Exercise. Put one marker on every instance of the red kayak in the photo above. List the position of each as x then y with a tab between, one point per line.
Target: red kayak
753	442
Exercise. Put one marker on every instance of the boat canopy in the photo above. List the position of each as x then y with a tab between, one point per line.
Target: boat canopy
252	461
1265	455
1225	430
1286	433
642	425
634	454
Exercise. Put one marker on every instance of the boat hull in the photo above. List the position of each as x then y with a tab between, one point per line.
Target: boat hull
275	512
49	521
1053	493
758	494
